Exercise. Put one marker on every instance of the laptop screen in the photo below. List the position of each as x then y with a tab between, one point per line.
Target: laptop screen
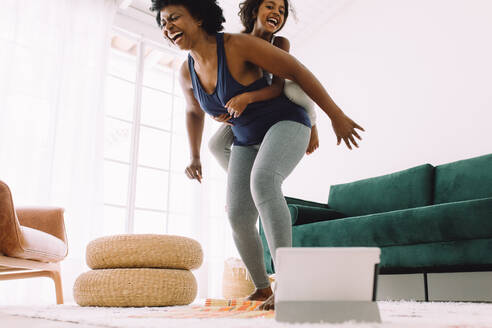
325	273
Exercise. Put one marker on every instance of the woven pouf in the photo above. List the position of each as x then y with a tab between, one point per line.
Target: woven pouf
135	287
139	270
144	251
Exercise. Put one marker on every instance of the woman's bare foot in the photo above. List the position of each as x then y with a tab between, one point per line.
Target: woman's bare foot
269	304
260	294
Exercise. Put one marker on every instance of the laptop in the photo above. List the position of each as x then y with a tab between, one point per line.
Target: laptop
326	284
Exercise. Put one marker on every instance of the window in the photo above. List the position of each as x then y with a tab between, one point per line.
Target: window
145	146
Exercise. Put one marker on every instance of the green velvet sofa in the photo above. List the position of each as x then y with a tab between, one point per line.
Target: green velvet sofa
425	219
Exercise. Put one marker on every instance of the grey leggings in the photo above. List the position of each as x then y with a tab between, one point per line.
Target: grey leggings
220	145
254	186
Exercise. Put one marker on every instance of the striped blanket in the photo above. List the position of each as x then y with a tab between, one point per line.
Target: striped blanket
214	308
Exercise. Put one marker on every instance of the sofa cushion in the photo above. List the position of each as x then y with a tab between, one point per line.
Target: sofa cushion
464	180
301	214
404	189
464	220
447	256
39	246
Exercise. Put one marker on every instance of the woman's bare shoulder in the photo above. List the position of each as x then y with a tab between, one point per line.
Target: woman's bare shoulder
282	43
239	39
238	44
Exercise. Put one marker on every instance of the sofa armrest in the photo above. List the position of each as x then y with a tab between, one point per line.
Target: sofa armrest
46	219
301	214
297	201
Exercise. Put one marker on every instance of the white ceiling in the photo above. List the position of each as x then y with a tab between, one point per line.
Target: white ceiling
309	16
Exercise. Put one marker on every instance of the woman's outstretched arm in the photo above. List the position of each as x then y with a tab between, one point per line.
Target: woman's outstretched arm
282	64
194	124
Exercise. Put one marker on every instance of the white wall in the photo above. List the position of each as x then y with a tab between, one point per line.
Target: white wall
417	75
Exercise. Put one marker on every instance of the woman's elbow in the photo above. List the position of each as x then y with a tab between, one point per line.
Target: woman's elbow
195	113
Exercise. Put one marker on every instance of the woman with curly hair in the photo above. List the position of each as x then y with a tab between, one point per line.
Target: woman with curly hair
263	19
270	137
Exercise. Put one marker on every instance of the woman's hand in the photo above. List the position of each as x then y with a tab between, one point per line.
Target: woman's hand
237	104
313	141
223	118
344	129
194	170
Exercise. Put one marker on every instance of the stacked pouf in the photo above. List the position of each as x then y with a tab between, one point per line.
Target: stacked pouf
139	270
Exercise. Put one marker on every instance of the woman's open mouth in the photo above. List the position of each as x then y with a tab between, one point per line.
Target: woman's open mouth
176	37
273	22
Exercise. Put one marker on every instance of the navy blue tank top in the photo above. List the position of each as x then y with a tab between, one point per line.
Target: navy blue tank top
257	118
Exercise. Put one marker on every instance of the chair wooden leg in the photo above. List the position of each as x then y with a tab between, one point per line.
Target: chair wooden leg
25	275
56	276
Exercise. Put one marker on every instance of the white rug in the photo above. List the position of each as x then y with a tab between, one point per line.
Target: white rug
393	314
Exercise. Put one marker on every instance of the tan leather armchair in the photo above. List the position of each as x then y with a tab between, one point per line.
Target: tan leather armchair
32	241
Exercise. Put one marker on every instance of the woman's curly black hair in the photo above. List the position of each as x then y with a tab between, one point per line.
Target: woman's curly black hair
207	11
248	10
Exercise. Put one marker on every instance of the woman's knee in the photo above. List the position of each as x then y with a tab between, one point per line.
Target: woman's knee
216	146
221	141
265	185
241	218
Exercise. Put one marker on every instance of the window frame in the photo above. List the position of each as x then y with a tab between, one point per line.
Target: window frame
142	42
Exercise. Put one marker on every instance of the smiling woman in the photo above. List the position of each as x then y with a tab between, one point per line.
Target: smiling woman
249	11
205	11
270	137
262	19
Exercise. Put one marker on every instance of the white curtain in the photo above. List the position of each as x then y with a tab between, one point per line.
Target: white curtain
53	56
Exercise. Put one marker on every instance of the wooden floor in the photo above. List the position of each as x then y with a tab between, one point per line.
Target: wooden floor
12	321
